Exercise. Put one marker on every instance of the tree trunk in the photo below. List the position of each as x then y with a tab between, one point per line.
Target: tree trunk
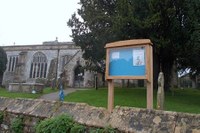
194	82
1	78
167	70
156	70
174	75
103	79
128	84
123	83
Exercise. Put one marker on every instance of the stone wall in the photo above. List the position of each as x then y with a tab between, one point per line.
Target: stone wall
125	119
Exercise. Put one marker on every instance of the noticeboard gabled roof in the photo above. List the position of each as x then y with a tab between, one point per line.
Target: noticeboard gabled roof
132	42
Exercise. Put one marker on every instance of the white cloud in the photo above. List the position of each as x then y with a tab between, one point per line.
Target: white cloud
35	21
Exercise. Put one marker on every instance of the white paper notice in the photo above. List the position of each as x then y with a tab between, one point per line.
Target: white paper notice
138	57
115	55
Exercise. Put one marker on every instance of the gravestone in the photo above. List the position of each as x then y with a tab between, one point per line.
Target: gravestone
160	93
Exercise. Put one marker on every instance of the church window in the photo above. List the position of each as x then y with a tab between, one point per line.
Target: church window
38	66
12	62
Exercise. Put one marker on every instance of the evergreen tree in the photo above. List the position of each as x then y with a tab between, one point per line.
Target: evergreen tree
172	26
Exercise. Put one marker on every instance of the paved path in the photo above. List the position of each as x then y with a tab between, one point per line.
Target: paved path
55	95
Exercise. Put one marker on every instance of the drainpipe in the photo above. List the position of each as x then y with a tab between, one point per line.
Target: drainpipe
57	61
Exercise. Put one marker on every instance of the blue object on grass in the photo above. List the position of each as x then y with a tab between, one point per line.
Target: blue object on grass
61	94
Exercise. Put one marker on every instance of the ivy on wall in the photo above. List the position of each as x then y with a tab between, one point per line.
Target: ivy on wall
65	124
17	125
1	117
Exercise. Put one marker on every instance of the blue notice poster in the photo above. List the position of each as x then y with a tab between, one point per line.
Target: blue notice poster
127	61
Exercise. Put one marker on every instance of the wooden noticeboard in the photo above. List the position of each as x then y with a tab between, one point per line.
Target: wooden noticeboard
130	59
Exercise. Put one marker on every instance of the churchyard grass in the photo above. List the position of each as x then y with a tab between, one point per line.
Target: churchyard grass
5	93
185	100
48	90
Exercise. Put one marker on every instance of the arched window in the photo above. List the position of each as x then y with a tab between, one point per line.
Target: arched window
38	66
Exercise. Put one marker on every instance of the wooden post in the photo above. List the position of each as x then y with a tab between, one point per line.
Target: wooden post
110	95
150	78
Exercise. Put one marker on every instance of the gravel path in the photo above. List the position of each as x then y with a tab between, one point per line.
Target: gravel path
55	95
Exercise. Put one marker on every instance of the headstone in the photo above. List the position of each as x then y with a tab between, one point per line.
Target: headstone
160	93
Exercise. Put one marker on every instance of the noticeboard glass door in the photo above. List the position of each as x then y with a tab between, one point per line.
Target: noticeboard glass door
129	61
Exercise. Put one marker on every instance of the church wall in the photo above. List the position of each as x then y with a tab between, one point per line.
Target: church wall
51	52
64	53
70	67
9	76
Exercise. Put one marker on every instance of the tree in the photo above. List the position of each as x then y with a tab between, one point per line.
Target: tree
94	31
3	62
190	60
167	23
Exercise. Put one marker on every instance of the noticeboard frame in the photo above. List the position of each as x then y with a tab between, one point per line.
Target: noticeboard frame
148	76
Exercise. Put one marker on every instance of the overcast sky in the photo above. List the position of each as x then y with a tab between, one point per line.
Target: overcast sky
35	21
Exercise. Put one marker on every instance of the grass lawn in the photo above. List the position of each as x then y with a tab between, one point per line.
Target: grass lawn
187	100
5	93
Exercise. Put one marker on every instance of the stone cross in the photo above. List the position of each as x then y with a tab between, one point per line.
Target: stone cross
160	93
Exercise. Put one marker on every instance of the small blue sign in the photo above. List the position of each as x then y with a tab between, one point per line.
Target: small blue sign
127	61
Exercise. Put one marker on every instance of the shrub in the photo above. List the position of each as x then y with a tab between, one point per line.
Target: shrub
109	129
17	125
1	117
65	124
78	129
103	130
60	124
96	130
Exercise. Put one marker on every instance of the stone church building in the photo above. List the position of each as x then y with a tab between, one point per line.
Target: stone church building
45	63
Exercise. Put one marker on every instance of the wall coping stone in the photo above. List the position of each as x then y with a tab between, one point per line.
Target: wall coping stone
125	119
